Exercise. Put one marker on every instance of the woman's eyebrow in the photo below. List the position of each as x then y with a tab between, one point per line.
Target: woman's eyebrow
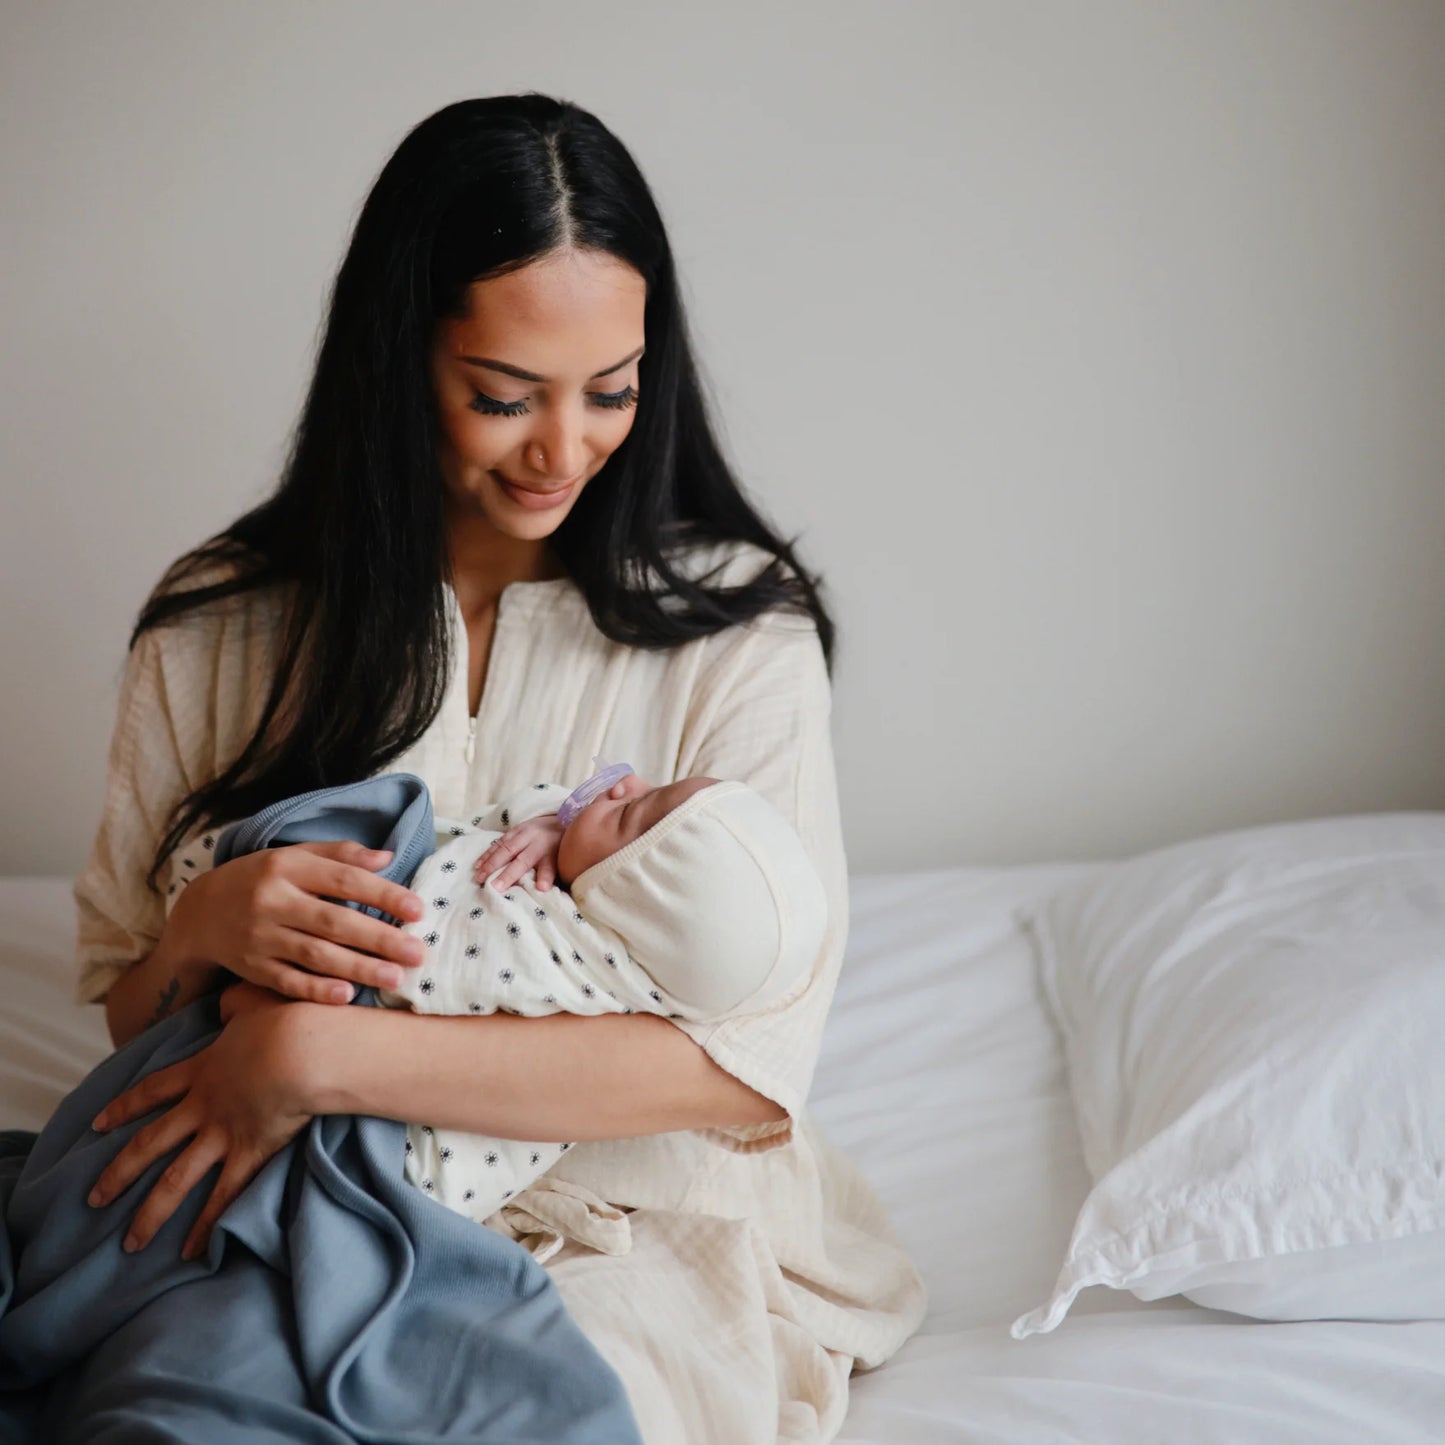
509	370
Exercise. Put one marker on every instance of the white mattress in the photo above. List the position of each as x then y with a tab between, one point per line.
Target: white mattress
943	1076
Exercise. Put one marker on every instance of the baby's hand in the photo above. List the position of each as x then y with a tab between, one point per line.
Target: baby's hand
528	845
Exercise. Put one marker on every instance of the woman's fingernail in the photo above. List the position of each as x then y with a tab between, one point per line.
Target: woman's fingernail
131	1244
391	978
341	993
96	1198
98	1123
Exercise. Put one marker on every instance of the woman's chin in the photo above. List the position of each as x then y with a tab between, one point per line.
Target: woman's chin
526	529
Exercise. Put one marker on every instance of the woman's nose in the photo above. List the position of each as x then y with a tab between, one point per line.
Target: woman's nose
558	449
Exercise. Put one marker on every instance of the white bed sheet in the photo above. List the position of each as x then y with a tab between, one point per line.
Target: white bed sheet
942	1074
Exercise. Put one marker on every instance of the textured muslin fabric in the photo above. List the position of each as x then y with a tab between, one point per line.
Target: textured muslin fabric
750	703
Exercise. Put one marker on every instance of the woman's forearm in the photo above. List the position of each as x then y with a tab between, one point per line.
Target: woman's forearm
561	1078
165	980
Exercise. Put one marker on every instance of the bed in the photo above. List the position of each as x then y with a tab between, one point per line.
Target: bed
943	1075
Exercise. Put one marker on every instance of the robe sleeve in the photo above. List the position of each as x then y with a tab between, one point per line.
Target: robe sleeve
762	715
190	697
118	918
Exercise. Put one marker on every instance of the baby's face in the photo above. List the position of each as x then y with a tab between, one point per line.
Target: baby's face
624	812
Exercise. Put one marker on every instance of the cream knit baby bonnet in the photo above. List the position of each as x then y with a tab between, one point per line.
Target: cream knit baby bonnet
718	902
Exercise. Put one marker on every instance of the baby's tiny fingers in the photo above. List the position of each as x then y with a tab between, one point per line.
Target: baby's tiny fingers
514	872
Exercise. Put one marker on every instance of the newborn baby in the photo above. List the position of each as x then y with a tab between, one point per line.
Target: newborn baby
694	900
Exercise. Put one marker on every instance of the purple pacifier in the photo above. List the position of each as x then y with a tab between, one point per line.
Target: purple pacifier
605	775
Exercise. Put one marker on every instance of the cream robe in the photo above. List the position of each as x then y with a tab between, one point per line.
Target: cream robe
752	1268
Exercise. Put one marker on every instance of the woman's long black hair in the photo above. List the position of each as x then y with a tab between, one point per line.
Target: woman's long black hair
355	531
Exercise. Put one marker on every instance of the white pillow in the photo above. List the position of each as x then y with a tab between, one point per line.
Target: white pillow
1254	1024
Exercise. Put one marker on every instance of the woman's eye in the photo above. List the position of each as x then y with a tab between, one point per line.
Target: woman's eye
615	400
490	406
611	400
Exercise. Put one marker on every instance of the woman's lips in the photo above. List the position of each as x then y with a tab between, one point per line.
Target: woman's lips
535	499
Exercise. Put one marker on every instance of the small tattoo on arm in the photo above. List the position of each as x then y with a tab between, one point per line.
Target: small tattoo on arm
168	997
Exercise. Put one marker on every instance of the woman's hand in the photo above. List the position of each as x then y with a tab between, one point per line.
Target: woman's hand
238	1101
521	848
266	917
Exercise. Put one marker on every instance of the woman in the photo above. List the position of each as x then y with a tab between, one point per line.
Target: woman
505	541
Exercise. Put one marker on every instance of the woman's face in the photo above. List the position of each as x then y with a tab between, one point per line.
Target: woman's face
537	388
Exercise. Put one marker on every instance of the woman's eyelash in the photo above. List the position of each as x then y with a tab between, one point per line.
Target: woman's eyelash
616	400
611	400
490	406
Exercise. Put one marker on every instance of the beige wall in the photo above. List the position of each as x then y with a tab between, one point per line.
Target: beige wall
1097	351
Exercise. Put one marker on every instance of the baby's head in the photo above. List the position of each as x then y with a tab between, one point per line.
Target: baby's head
705	882
619	817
